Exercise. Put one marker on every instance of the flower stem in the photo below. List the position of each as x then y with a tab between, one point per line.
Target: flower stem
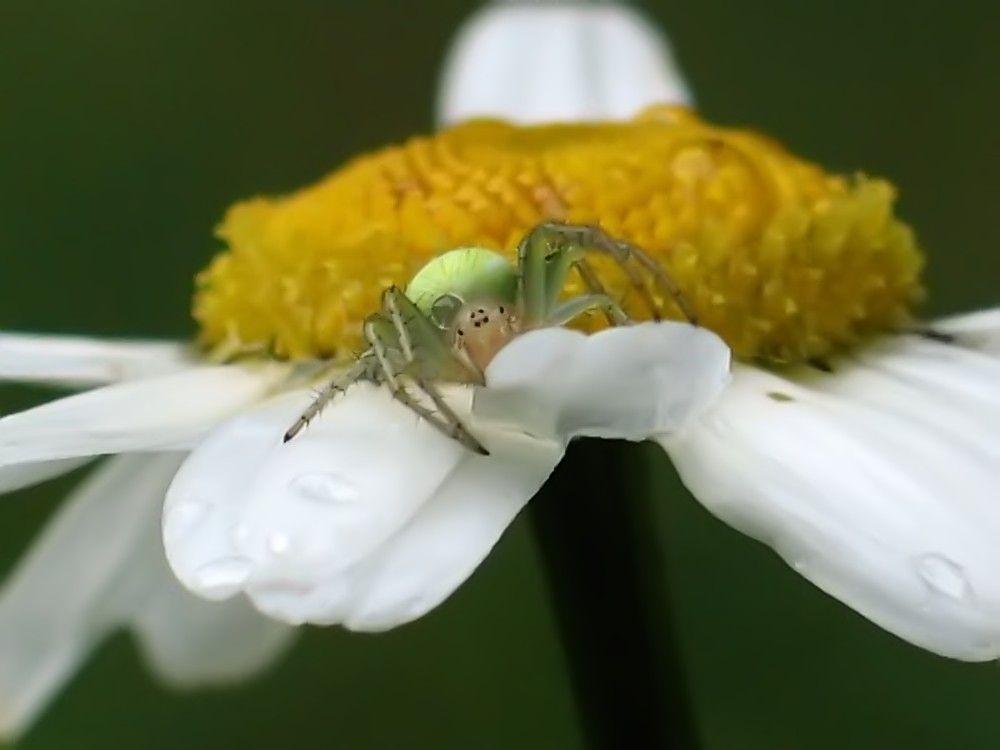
606	581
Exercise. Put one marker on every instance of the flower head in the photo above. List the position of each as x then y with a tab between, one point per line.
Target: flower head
783	260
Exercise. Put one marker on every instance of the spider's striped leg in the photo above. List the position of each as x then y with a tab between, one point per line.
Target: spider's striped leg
360	370
444	418
612	310
570	243
664	280
577	306
422	350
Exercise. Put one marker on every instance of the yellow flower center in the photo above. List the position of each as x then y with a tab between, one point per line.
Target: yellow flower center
782	260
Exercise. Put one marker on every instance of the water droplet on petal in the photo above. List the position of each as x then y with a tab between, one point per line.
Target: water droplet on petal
223	578
943	576
325	487
278	543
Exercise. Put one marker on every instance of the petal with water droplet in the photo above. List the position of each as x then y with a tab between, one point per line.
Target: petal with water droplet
878	483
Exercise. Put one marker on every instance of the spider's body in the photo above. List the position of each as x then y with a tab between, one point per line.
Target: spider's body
471	295
463	307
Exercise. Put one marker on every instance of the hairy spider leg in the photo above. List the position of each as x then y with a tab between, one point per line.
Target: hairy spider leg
362	369
572	242
583	303
667	284
614	313
410	325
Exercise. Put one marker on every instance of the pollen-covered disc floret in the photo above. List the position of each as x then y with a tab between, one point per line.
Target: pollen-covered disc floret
782	260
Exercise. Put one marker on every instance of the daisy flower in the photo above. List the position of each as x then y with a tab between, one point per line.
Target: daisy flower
368	519
854	438
877	493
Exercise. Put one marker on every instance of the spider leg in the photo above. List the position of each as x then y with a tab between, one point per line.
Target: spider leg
580	239
358	371
573	308
597	239
614	313
667	283
444	419
403	343
372	365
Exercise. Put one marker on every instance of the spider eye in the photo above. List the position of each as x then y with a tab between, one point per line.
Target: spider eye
444	310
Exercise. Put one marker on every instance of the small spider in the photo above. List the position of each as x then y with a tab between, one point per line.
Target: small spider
465	305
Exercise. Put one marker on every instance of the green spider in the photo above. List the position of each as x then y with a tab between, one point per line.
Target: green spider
467	304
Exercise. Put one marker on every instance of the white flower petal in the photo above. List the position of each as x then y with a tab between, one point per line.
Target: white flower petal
423	564
99	567
17	476
245	506
60	601
979	329
878	483
372	517
539	62
450	536
78	362
164	413
190	642
248	513
629	382
205	498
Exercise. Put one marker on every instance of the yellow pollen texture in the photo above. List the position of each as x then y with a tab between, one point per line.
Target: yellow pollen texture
781	259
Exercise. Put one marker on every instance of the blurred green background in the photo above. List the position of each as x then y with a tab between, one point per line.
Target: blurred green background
127	126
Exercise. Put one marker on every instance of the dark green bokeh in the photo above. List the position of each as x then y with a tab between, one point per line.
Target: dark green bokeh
127	126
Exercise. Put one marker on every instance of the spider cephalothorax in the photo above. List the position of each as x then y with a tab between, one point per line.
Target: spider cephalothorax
482	329
463	307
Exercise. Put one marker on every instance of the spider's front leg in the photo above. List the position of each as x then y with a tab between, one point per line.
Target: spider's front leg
404	346
417	351
363	369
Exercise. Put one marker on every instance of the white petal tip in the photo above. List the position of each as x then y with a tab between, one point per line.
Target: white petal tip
81	362
148	415
544	62
21	704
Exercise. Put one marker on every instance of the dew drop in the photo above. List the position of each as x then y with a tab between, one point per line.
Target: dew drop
943	576
325	487
278	543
